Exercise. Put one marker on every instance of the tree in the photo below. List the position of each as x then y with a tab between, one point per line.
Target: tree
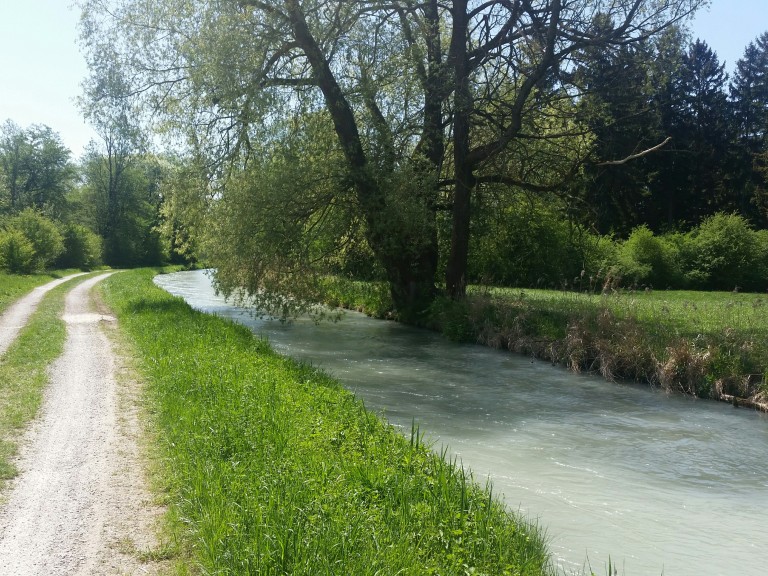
693	109
124	209
749	92
424	99
749	97
122	180
183	207
619	110
41	233
35	167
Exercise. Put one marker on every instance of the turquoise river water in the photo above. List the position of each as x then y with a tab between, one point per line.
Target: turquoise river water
660	484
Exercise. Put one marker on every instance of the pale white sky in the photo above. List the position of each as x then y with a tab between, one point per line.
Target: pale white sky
41	67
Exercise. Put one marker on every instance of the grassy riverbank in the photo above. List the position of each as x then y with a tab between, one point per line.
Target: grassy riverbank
23	374
272	468
706	344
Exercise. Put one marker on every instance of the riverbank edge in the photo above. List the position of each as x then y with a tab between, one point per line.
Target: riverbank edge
592	339
271	466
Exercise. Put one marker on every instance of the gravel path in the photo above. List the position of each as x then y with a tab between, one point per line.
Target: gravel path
17	315
79	505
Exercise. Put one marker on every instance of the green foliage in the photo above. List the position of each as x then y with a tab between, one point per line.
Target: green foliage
724	253
121	203
453	318
35	169
82	248
282	223
616	109
275	469
183	210
388	105
645	259
17	254
531	242
42	233
371	297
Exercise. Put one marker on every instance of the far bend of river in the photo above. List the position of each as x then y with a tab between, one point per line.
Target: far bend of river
661	484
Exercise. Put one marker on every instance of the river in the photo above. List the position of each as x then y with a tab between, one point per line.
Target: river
660	484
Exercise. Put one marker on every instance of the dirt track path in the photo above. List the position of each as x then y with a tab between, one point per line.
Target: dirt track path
79	505
17	315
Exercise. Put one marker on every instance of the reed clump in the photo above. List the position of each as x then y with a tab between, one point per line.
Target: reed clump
708	345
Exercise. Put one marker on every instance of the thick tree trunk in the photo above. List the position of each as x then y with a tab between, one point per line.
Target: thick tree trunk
412	285
410	268
456	272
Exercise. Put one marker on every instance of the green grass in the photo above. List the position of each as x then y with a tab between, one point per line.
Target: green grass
23	374
664	313
14	286
373	298
272	468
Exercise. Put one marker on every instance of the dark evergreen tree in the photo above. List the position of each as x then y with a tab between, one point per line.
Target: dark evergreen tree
749	98
749	93
617	109
700	132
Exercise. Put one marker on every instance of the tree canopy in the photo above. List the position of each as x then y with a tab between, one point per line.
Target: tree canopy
419	105
35	169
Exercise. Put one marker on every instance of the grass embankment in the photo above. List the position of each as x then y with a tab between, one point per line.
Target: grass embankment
23	374
706	344
273	468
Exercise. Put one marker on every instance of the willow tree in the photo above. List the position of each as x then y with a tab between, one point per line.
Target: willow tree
422	98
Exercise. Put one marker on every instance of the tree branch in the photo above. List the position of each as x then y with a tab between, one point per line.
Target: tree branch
635	156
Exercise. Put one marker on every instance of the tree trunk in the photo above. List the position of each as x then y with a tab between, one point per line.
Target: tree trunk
412	285
456	272
410	269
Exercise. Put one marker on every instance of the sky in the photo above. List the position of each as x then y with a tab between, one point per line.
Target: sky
41	66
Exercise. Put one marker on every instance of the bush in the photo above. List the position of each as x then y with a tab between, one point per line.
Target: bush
82	248
17	254
532	244
724	253
646	259
47	242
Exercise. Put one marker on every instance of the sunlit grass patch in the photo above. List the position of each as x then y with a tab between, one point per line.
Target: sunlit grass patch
14	286
273	468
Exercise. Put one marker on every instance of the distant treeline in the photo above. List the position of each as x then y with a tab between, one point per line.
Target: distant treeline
533	246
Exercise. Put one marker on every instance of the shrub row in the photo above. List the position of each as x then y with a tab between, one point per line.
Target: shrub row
30	242
534	246
723	253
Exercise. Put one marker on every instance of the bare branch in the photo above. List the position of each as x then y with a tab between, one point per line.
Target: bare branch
635	156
